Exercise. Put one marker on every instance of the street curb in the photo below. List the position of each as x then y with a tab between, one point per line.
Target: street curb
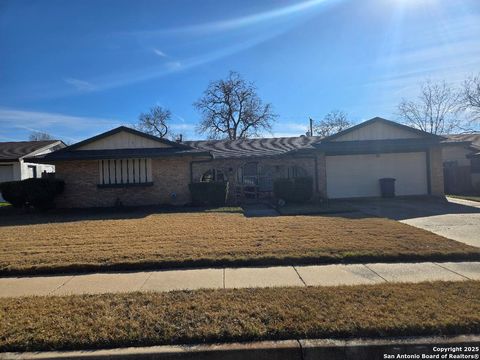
328	349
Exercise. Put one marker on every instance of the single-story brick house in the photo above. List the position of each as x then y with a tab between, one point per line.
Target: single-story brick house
138	169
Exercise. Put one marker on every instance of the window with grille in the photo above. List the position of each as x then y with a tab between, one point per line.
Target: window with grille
125	171
295	171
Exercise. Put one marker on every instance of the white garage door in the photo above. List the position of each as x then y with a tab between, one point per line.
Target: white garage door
6	173
357	175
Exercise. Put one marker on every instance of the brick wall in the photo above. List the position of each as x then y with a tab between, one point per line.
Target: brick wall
322	174
436	171
82	177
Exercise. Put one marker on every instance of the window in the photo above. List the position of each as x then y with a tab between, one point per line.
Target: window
212	175
295	171
125	171
247	174
32	171
265	178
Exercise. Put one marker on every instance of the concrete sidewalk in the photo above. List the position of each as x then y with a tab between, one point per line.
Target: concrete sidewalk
162	281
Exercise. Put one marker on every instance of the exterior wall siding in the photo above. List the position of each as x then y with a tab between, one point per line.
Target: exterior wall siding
123	140
169	176
378	131
456	153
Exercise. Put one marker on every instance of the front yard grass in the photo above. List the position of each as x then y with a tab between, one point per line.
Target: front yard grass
205	316
166	240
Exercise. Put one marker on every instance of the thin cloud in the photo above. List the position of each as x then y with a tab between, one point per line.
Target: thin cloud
252	38
54	123
160	53
239	22
81	85
184	127
173	65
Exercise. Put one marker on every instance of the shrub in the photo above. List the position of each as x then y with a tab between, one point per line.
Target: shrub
39	193
12	192
295	190
209	193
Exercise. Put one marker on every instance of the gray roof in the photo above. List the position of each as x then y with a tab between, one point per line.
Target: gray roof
14	150
66	154
474	138
257	147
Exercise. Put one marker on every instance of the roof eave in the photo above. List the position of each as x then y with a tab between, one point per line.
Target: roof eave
57	142
55	159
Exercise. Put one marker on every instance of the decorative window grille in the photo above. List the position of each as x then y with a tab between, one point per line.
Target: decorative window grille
125	171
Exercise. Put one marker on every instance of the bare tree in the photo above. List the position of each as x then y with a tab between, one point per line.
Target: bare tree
436	110
471	97
333	122
40	136
232	109
154	122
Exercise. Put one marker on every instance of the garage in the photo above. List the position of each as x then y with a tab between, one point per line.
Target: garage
349	176
6	173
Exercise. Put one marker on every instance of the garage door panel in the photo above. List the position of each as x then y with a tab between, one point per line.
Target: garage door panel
358	175
6	173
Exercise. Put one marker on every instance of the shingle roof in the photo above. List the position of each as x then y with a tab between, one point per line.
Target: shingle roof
66	154
254	147
474	138
13	150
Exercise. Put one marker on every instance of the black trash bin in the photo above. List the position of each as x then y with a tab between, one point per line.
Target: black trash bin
387	187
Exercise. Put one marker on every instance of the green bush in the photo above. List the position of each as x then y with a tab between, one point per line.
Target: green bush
209	193
295	190
39	193
12	192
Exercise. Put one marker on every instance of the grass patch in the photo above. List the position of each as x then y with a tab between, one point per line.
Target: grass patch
4	204
466	197
215	239
143	319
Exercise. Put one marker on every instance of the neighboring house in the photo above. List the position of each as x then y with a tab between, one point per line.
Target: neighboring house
461	160
129	167
12	159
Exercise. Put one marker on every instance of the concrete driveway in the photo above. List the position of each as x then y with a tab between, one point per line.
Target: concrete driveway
455	219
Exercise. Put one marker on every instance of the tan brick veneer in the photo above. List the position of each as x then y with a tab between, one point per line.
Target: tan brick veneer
82	177
436	171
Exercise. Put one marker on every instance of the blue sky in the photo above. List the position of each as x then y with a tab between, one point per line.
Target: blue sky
77	68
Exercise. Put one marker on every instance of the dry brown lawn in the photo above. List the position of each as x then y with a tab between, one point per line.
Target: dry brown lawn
141	319
197	239
200	239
